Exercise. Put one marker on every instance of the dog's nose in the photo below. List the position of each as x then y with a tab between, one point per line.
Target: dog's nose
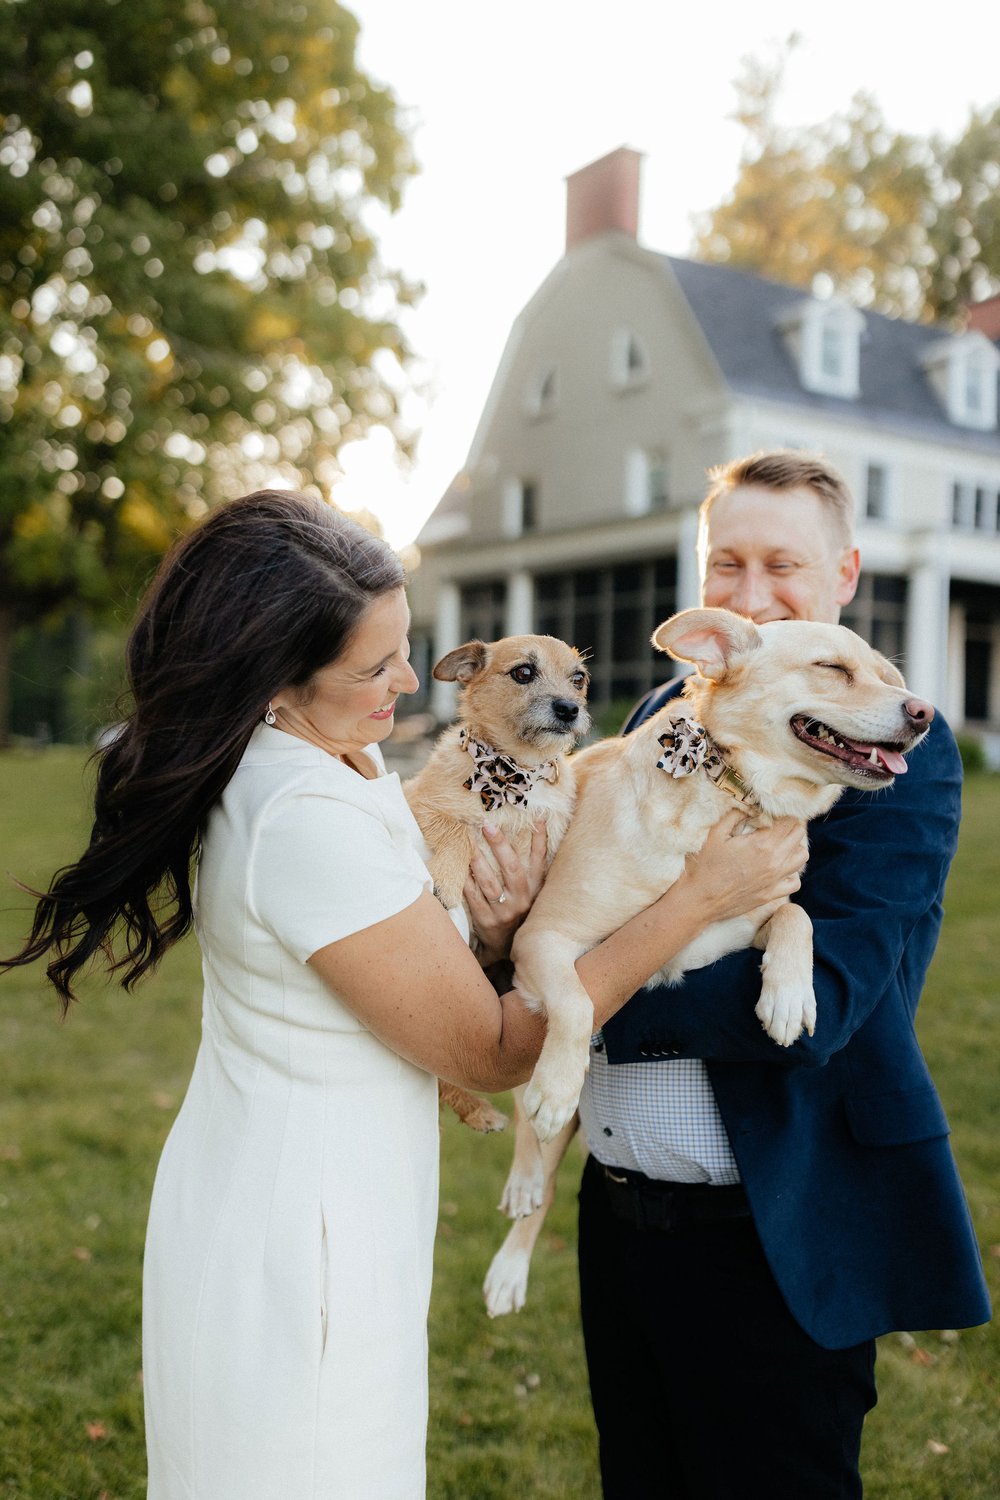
567	711
919	711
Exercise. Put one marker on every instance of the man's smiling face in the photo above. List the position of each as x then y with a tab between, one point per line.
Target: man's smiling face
776	555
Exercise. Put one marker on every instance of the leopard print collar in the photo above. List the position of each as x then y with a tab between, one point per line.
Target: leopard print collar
498	779
688	747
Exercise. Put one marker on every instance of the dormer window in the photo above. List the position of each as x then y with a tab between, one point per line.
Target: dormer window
629	363
831	352
963	373
824	339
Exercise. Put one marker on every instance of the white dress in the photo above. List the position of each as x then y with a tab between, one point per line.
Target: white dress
288	1258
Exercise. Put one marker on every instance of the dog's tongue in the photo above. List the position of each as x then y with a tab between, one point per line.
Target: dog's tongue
891	759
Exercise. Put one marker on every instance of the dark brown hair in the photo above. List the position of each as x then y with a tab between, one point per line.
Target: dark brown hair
261	595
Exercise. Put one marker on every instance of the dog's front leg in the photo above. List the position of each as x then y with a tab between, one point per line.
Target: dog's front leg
546	975
787	1004
506	1284
525	1185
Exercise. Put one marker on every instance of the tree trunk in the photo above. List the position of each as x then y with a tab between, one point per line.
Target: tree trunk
6	647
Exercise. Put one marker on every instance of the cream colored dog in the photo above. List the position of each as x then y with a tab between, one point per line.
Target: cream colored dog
780	716
521	710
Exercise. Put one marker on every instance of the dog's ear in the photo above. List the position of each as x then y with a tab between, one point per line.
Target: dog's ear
887	671
462	664
711	638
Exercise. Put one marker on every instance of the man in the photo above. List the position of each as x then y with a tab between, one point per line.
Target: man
752	1217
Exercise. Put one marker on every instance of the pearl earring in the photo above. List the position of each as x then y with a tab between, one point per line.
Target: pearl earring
270	717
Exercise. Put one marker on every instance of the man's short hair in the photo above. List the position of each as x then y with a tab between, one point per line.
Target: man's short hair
786	469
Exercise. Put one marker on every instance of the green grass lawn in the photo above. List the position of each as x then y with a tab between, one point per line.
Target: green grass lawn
86	1105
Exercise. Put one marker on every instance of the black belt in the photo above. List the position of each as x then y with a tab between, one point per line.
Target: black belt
647	1203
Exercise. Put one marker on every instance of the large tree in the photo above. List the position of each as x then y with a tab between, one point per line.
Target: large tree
191	295
903	223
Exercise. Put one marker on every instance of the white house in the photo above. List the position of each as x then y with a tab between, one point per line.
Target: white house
629	374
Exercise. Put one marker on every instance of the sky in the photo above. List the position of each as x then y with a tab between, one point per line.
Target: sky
504	101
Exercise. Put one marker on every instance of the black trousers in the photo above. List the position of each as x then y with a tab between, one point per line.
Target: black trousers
703	1385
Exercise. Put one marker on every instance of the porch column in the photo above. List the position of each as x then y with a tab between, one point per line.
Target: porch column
927	623
519	615
954	700
688	580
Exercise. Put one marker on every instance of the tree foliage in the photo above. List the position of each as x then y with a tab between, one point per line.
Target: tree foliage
906	224
191	297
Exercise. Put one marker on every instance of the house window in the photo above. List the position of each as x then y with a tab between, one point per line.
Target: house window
529	507
824	339
878	613
543	394
975	506
962	504
963	372
831	351
981	512
629	364
876	493
647	481
611	612
520	507
975	387
482	607
658	480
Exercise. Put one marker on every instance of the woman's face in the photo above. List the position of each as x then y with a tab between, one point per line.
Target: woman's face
350	703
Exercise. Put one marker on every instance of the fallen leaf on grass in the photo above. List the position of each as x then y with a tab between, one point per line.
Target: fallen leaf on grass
921	1357
96	1431
933	1446
465	1419
80	1252
162	1100
451	1209
995	1251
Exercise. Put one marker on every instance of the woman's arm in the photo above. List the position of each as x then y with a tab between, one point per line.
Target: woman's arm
416	986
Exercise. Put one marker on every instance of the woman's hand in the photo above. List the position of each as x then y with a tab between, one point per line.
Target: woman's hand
494	921
735	872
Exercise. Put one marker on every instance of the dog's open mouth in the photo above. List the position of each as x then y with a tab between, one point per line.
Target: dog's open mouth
880	762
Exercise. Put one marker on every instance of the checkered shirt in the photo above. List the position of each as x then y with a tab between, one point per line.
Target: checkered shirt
658	1118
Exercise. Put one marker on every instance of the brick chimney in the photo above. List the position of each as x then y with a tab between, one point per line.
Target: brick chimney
603	196
985	316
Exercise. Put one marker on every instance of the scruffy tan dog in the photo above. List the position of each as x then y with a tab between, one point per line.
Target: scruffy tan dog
522	708
781	717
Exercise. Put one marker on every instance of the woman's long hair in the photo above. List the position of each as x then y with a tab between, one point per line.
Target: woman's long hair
261	595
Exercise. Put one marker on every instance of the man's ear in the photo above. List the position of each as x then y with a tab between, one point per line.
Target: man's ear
462	664
711	638
848	570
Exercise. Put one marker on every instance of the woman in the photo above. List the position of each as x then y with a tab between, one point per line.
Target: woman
288	1263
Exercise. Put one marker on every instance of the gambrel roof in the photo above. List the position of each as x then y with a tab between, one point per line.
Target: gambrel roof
742	317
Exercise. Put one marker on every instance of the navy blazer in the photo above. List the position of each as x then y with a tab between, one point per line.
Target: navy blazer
841	1139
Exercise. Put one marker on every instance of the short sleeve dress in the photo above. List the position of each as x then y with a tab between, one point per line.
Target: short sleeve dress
288	1256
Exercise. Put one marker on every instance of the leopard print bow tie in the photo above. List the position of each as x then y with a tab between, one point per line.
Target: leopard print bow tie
688	747
498	779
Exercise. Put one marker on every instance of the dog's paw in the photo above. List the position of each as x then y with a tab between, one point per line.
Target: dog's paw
550	1105
523	1193
506	1284
485	1118
785	1012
